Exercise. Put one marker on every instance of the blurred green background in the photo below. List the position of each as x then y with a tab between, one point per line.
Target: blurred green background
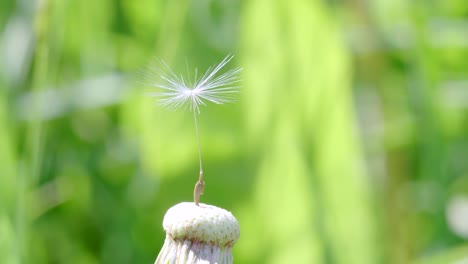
348	142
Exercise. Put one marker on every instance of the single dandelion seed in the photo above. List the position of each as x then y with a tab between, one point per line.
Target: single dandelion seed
179	92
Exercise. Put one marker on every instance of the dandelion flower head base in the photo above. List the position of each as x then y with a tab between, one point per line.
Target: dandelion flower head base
198	234
178	92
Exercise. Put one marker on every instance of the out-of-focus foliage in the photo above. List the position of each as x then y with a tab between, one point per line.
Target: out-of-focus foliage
348	142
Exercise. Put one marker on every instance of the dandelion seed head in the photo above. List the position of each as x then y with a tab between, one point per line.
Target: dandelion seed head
177	91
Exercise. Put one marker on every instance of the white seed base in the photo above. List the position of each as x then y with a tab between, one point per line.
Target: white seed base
188	252
198	234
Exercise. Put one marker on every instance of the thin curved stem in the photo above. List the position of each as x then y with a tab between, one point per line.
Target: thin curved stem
199	145
200	185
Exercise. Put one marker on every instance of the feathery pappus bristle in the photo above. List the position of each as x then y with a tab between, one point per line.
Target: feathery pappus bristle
178	91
